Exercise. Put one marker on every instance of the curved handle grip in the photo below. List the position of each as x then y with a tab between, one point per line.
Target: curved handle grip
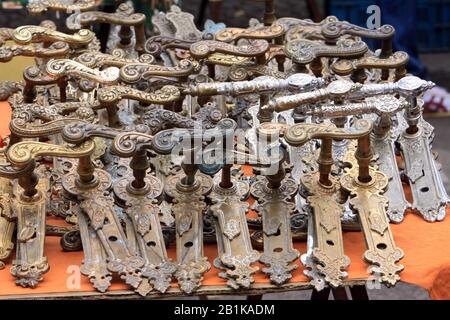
201	49
66	67
396	60
111	95
57	49
301	133
22	153
305	51
335	29
40	6
24	129
27	34
233	34
77	133
117	58
135	71
156	44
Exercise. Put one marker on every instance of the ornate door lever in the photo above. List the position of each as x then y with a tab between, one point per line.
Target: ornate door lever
56	49
322	193
40	6
122	18
267	33
117	59
27	34
134	72
65	67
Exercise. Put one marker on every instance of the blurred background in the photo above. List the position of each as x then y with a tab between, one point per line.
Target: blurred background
422	30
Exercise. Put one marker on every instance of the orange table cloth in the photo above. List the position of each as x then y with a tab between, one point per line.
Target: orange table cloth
426	247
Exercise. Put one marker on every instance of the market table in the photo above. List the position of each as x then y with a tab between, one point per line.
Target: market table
426	246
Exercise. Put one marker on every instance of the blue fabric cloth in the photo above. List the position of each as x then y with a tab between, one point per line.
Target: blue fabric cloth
403	16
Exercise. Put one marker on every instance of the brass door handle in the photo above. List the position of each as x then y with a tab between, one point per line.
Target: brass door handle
294	83
204	48
117	58
27	34
135	20
303	28
135	71
398	61
79	132
157	44
40	6
57	49
305	51
333	30
112	95
22	153
20	128
300	133
266	33
223	59
65	67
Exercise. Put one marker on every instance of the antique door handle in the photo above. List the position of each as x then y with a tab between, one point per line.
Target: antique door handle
408	87
117	59
303	28
164	96
322	193
204	48
162	119
304	51
241	72
267	33
294	83
333	30
22	153
133	72
40	6
136	20
157	44
20	128
57	49
381	105
397	61
27	34
65	67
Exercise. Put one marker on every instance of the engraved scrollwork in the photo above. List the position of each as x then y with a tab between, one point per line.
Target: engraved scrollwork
202	49
66	67
135	71
305	51
233	34
24	152
40	6
166	95
57	49
299	134
27	34
116	59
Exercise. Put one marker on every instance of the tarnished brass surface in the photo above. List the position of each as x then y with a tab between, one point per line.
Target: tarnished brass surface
118	140
40	6
233	34
27	34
